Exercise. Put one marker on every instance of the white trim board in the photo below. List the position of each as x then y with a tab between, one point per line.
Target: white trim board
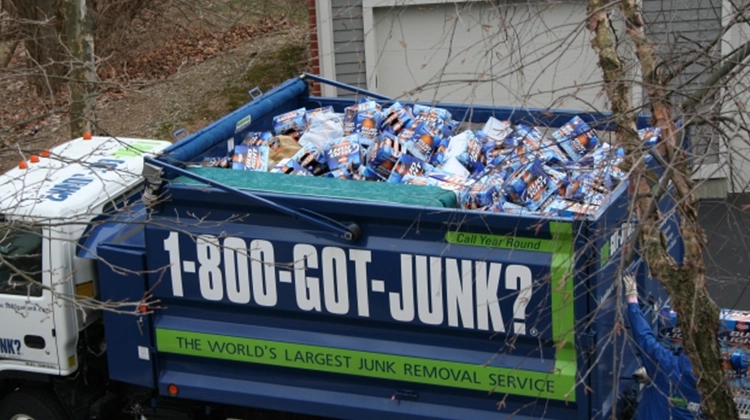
324	23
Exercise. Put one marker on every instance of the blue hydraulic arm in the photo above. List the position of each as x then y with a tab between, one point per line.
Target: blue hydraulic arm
350	232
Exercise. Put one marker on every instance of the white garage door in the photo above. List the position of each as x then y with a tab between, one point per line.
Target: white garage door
521	54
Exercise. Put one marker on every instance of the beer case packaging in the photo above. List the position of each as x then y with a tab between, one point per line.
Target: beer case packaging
521	145
438	158
250	158
344	154
409	165
588	180
503	170
350	117
512	208
576	138
290	167
217	162
492	176
736	367
439	114
500	160
737	362
553	153
595	199
734	330
367	126
572	128
453	166
609	171
529	186
382	156
363	119
356	114
517	159
257	138
496	207
435	118
439	155
498	132
467	149
649	136
597	179
292	123
321	128
417	180
450	128
310	113
574	189
395	118
559	178
456	144
420	140
616	174
479	196
366	173
567	208
358	175
531	142
311	159
602	153
341	174
444	181
452	181
493	149
667	331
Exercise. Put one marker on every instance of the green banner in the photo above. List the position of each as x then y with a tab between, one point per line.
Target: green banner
562	278
558	385
563	316
500	241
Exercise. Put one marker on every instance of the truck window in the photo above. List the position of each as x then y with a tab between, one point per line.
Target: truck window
21	262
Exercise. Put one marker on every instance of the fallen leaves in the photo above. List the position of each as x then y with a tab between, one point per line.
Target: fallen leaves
177	54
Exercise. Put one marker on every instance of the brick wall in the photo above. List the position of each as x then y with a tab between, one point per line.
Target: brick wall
314	50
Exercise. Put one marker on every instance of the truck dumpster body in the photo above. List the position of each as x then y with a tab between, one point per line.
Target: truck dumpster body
422	311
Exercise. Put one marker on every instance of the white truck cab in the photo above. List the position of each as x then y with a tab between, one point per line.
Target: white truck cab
46	204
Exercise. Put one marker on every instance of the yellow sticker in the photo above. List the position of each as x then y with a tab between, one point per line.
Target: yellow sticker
85	290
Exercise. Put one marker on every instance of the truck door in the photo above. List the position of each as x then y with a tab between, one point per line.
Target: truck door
27	333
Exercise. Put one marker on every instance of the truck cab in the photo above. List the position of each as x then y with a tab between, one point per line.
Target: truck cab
47	292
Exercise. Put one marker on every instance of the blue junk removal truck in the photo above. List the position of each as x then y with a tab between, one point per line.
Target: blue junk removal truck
359	300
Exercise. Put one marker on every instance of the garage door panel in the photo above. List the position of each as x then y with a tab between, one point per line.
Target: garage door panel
535	55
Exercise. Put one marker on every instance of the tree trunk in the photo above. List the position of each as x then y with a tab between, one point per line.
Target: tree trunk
8	43
698	315
40	23
82	70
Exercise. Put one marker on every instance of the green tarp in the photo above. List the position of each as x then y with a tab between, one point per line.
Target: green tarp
383	192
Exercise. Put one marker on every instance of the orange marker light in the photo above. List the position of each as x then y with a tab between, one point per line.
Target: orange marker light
45	153
34	159
143	309
87	136
23	165
173	390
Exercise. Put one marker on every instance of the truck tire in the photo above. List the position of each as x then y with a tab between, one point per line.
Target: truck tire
31	404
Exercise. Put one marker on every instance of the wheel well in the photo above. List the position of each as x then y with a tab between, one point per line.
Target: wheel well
10	380
37	402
